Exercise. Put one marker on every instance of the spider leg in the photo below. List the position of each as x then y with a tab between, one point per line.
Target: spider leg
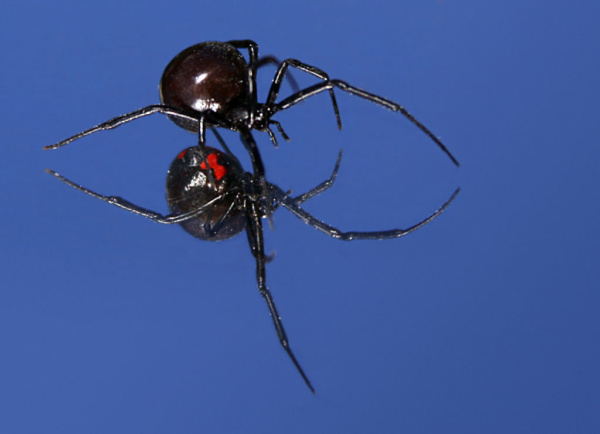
272	60
321	187
214	229
275	196
128	206
149	110
255	239
281	131
252	48
276	84
250	145
120	120
202	144
292	205
390	105
257	163
221	141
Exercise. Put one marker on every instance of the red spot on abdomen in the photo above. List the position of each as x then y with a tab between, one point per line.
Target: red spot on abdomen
213	163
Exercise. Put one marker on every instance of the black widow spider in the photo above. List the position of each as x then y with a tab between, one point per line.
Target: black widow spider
211	85
234	201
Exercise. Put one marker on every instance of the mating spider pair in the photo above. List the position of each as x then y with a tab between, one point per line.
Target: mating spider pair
211	85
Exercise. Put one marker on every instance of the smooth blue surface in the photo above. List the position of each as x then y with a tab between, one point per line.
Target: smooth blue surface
485	321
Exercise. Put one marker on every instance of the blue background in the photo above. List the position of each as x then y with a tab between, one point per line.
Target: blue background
486	320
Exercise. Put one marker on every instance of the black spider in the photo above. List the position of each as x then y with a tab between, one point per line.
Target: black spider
219	203
212	85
